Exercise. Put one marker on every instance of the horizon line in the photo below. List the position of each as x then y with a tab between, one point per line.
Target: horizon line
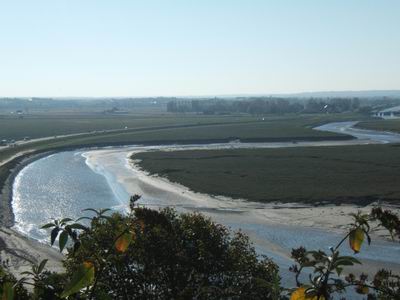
222	95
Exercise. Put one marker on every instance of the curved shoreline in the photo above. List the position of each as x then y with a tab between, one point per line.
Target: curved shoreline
20	250
22	159
348	135
6	195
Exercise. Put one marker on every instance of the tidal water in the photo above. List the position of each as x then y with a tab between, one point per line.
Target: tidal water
58	186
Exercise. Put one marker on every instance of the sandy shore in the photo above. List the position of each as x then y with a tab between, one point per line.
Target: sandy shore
20	252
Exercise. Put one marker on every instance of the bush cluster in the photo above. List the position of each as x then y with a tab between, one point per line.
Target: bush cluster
160	254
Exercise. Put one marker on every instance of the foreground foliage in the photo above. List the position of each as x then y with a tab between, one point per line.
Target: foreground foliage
150	254
325	269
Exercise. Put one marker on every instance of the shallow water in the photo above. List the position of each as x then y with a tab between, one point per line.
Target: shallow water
361	134
57	186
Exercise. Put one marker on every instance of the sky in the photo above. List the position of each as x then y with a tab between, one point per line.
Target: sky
190	48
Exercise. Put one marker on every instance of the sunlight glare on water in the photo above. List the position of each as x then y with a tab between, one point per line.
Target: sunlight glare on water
57	186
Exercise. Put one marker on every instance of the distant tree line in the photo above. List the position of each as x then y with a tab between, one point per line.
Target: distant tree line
248	105
274	105
27	105
221	106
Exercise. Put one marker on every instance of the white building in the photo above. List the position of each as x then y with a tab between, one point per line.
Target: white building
389	113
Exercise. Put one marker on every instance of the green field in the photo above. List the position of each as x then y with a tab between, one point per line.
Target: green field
160	129
36	126
157	129
343	174
383	125
283	129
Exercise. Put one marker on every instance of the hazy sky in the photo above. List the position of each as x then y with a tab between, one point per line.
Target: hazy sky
203	47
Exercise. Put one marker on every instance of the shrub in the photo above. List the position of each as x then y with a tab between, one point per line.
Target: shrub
151	254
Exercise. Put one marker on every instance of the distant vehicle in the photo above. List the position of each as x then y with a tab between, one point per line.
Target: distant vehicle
27	138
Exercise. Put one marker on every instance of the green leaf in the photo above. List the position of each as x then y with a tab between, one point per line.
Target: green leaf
339	270
104	210
82	278
77	226
63	240
48	225
54	234
346	261
7	291
42	265
65	220
92	210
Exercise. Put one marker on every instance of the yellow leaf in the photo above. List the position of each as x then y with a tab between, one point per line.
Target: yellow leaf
361	289
300	294
83	277
87	265
356	239
123	242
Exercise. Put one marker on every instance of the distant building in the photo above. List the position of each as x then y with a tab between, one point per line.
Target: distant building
389	113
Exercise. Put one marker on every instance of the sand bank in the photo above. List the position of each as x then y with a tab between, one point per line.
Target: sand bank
20	252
